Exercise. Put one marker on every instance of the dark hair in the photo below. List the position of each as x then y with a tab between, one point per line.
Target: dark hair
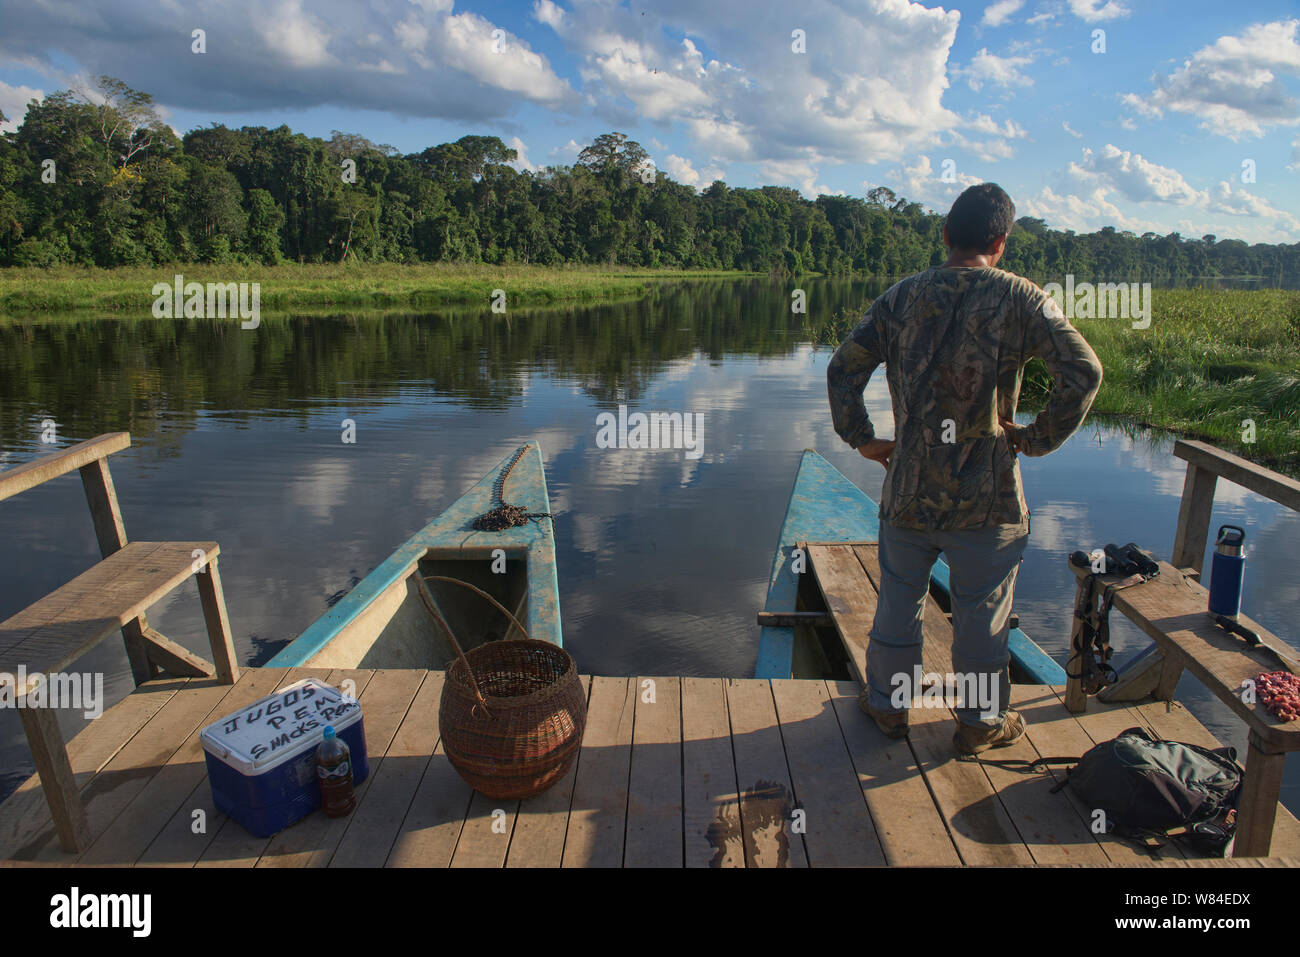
980	215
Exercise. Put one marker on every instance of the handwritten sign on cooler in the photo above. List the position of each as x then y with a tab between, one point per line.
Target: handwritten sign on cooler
280	725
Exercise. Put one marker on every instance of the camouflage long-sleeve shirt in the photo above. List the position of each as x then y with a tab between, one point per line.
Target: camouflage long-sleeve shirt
954	341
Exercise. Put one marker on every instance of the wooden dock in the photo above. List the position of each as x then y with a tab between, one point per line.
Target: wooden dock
710	773
673	772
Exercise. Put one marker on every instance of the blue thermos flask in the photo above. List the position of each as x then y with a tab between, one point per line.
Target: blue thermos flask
1228	571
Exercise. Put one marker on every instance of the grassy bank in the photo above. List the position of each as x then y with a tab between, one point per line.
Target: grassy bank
1210	360
295	286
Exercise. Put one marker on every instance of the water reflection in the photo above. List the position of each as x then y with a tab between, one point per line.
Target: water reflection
663	558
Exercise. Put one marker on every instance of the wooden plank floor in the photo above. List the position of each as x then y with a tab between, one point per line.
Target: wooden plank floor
995	816
673	771
695	772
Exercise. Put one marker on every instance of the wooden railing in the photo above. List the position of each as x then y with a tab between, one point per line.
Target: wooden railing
1170	609
90	458
1205	466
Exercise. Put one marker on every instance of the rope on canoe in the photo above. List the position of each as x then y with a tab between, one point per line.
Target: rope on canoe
505	515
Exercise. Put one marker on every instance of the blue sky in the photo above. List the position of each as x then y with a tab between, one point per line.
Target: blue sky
1188	120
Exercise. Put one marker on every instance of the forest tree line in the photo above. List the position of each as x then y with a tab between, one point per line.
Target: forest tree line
101	180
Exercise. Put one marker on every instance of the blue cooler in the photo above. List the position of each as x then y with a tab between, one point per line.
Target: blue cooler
262	759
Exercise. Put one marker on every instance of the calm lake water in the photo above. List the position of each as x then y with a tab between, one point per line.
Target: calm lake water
663	560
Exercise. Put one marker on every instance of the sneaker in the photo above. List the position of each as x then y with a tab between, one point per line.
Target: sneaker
892	724
972	740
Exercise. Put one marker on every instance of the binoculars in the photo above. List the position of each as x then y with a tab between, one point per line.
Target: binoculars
1121	560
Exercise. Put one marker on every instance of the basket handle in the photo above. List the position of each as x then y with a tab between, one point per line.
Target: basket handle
432	606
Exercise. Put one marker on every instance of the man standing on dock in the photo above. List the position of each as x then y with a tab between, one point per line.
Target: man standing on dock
954	340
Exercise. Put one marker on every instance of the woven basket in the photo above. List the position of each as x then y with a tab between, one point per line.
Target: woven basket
529	733
512	712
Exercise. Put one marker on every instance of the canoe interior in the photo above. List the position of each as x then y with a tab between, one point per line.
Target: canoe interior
826	507
381	622
397	631
818	652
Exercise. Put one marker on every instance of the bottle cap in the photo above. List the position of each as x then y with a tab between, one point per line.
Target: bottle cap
1231	540
329	732
1231	535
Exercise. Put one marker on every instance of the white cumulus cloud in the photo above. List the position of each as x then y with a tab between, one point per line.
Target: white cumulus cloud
1083	214
798	173
1102	189
478	48
13	104
416	59
1239	202
1001	137
922	183
521	161
297	36
683	171
1134	177
1235	85
1095	10
986	67
996	14
568	153
868	87
544	11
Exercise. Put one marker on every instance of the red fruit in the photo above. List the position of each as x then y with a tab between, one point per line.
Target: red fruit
1279	692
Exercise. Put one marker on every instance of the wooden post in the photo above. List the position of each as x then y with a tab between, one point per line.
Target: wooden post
1257	808
57	780
214	616
1171	670
1194	518
110	530
1075	699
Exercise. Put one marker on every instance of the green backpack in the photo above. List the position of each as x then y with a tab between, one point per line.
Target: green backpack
1148	787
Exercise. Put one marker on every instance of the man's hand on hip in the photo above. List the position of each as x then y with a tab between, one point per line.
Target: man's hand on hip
1015	434
878	450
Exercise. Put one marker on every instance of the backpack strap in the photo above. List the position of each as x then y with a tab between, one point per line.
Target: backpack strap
1018	764
1093	640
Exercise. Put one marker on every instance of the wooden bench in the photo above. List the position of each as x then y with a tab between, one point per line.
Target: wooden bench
48	636
1173	610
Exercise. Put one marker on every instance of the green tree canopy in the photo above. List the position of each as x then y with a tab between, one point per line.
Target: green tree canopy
98	178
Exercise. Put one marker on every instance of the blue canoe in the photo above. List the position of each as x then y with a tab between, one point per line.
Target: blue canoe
826	507
383	623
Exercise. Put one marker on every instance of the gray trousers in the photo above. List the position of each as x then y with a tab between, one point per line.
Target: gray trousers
983	564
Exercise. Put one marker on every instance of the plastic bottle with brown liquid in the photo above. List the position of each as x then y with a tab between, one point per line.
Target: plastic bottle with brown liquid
334	774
